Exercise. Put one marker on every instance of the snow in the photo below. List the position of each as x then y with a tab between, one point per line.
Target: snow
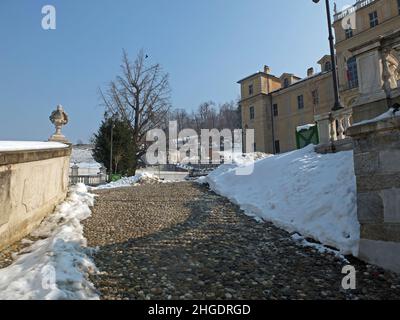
82	157
317	246
57	265
305	127
239	157
386	115
124	182
29	145
300	191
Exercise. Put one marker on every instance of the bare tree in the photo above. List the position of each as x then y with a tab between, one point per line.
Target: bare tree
182	118
229	116
139	96
209	116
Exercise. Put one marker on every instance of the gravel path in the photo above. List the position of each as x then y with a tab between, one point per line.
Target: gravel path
6	254
180	241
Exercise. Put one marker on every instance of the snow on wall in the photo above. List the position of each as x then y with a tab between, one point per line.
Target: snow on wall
391	113
29	145
300	191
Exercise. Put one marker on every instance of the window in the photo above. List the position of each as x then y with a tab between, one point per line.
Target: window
349	32
277	147
328	66
300	102
275	110
251	113
315	97
352	73
250	90
398	5
254	147
286	83
373	19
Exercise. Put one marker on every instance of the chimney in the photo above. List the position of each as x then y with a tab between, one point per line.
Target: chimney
267	70
310	72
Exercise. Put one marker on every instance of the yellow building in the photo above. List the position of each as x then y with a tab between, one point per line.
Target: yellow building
367	53
274	107
367	48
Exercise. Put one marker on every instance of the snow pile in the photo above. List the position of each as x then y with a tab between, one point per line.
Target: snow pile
55	267
300	191
29	145
240	158
140	178
305	127
386	115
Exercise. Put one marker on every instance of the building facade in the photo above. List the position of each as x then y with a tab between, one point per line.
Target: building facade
275	106
367	53
367	34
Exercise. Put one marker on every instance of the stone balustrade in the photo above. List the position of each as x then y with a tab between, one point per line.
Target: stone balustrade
350	10
332	128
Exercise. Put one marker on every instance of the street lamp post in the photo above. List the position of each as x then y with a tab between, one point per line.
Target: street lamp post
111	149
338	105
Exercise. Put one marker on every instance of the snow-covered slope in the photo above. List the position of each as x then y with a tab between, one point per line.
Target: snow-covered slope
82	157
300	191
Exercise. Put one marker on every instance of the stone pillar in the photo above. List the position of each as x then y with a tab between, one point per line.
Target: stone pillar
377	169
370	78
371	82
324	128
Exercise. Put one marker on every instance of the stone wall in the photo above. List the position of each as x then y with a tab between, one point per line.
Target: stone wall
377	168
32	183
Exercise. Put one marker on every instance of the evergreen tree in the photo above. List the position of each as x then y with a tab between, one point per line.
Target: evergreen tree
123	147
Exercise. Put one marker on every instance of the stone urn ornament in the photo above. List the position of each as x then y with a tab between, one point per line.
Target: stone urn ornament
59	118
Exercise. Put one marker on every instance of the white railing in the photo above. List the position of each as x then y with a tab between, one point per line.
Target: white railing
93	180
359	4
332	126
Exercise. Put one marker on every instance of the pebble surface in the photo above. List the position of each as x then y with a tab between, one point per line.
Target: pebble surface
181	241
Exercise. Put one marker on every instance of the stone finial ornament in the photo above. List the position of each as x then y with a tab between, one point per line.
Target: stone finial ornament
59	118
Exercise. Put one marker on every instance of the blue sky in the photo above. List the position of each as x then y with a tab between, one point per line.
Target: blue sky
205	46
